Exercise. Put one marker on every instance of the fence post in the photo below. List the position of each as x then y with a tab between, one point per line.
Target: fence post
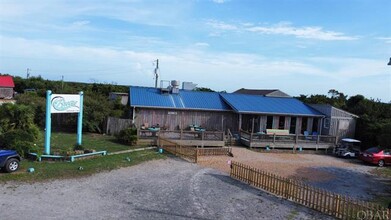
337	206
288	188
318	139
196	155
274	138
251	176
181	135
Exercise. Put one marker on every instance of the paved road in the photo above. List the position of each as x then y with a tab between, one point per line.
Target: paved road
163	189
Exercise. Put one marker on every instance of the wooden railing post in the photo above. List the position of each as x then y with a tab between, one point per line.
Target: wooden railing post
181	135
297	139
317	139
274	138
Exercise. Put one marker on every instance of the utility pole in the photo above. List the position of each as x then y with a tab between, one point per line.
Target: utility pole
62	83
28	73
156	72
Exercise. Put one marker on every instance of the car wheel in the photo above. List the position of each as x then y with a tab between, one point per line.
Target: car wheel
12	165
380	163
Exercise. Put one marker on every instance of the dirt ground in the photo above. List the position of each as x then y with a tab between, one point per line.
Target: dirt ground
162	189
344	176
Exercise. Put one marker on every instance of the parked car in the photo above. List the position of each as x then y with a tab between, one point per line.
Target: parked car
347	148
9	160
376	155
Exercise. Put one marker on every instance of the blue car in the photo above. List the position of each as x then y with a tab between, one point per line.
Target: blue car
9	160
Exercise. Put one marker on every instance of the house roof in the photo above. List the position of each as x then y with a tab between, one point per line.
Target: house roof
327	110
256	104
7	81
153	98
263	92
252	104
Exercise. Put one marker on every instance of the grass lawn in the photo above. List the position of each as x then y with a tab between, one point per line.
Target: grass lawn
62	170
384	199
61	141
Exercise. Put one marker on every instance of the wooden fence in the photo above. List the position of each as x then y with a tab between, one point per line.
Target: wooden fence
190	153
115	125
321	200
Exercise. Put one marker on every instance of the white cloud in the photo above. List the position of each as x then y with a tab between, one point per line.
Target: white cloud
385	39
283	28
221	25
217	70
201	44
219	1
80	23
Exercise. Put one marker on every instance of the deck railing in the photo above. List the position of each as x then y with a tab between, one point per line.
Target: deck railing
291	138
191	153
183	135
329	203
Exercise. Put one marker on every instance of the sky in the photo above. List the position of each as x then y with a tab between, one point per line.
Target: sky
298	46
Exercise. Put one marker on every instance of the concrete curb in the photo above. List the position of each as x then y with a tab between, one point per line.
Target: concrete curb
132	150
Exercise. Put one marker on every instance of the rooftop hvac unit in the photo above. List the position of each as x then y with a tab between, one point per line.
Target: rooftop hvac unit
175	83
188	85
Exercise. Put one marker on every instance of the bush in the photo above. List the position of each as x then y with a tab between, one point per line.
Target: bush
127	136
23	141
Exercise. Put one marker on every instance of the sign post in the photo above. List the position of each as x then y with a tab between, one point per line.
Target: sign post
80	120
63	103
48	126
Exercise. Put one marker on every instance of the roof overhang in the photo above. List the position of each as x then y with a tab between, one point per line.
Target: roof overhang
281	114
178	109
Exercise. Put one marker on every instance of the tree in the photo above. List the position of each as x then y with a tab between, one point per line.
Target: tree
17	128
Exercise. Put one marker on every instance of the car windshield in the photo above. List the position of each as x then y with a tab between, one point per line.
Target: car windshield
374	150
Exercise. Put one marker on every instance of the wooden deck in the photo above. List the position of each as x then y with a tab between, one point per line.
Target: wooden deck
255	140
187	138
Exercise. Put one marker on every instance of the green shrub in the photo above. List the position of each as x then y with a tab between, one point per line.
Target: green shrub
23	141
127	136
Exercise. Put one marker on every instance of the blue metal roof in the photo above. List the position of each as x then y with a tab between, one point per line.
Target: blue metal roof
256	104
153	98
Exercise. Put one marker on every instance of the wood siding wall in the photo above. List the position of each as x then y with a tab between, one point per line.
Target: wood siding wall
181	119
342	123
7	93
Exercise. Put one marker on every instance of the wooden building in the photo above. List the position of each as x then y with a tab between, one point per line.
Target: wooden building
174	109
337	122
6	87
180	110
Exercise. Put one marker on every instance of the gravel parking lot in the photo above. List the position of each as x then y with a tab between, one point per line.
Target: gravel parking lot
344	176
162	189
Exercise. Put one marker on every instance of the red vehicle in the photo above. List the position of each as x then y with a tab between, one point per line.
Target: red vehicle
376	155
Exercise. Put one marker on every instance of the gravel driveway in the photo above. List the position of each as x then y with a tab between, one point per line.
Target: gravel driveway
162	189
343	176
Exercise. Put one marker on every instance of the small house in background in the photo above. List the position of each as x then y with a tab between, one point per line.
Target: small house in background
263	92
337	122
123	96
6	89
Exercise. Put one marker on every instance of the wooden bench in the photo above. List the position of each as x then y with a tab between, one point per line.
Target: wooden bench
277	131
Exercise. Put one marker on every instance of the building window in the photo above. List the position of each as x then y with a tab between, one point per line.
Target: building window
281	122
326	123
315	125
304	122
269	122
292	129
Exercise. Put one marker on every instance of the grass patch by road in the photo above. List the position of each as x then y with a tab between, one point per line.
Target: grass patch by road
383	171
61	141
62	170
